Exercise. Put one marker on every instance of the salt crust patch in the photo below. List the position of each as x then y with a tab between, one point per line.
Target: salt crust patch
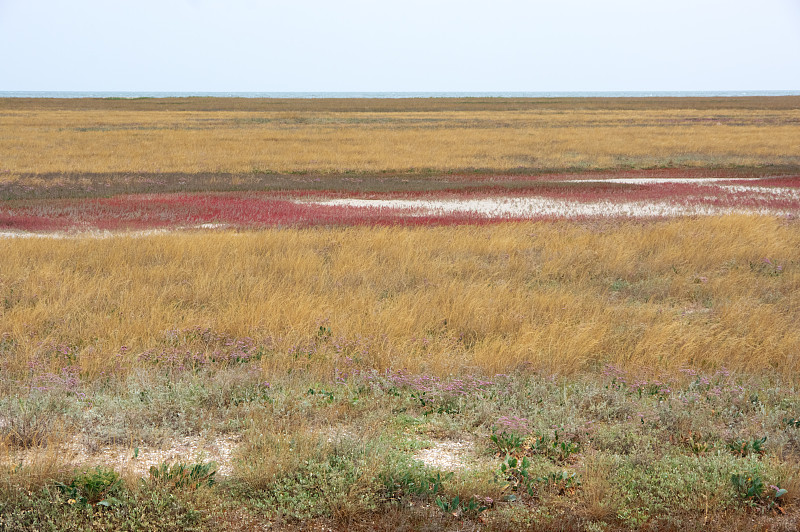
107	234
535	206
532	207
83	234
653	180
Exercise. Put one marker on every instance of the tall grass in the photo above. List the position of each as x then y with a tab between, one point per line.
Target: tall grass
560	297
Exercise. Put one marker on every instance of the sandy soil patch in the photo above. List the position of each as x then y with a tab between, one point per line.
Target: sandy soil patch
448	455
126	459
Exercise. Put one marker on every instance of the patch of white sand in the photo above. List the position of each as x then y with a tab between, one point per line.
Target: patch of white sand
446	455
531	207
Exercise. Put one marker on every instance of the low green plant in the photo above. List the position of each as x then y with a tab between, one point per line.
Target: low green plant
95	487
324	333
325	395
407	480
435	405
251	394
436	481
458	508
556	448
403	480
475	506
448	506
754	491
507	442
514	474
792	422
183	476
562	482
748	447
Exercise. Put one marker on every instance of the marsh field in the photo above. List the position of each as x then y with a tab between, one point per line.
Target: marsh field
423	314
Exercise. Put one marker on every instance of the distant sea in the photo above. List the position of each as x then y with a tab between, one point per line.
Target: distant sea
617	94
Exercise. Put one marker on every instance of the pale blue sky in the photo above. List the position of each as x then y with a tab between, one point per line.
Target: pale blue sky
409	45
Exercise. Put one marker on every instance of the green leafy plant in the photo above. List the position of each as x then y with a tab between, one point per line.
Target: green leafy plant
436	481
748	447
792	422
557	449
448	506
403	481
251	394
516	477
560	481
755	491
514	474
476	506
406	481
458	508
324	333
95	487
507	442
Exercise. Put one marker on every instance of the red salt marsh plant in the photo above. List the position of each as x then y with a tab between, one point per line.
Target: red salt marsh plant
305	208
187	210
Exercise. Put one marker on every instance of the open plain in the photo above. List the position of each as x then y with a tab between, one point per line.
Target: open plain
422	314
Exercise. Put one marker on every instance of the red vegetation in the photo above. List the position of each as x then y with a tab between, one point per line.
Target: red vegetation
269	209
187	210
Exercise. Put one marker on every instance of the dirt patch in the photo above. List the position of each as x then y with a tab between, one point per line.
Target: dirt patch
136	461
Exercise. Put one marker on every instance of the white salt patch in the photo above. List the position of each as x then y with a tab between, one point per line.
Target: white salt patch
211	226
650	180
531	207
790	193
658	180
21	234
96	234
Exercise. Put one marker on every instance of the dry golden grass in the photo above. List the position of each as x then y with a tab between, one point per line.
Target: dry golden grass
559	297
405	136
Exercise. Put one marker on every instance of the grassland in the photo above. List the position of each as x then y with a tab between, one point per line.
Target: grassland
556	296
589	374
362	136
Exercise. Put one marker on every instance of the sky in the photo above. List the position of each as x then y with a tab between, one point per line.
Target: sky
399	46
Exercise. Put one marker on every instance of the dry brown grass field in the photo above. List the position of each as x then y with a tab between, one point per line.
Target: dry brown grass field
594	374
555	297
336	136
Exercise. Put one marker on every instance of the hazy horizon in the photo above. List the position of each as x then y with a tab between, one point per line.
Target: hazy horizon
414	46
